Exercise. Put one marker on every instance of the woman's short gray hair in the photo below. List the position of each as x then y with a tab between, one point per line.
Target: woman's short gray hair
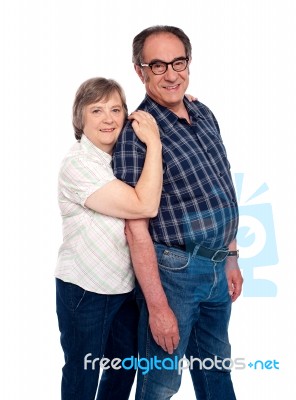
92	91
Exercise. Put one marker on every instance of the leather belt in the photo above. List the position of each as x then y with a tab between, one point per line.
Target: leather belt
213	255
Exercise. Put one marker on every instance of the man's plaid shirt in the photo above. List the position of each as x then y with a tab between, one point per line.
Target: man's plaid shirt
198	201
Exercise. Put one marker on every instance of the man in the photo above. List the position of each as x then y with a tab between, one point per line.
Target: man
185	259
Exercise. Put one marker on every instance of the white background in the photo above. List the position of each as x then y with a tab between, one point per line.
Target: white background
243	68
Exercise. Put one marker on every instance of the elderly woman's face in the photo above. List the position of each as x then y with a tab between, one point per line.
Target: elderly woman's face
103	122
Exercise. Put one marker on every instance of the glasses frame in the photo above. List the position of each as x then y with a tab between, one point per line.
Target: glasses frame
150	65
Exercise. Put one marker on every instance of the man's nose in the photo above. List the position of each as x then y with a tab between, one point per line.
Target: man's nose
170	73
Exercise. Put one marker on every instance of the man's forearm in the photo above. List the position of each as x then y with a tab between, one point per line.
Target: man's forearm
233	273
233	245
145	262
162	321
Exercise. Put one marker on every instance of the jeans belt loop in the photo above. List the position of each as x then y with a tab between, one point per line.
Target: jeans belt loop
195	250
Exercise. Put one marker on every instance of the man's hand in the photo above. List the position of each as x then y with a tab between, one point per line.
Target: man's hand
164	328
234	278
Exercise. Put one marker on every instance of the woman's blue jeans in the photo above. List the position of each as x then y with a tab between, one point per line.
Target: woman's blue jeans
197	292
92	326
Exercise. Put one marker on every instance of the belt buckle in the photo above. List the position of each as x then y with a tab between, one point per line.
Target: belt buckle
219	255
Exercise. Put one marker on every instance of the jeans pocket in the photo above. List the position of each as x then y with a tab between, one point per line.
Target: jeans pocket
77	295
71	295
173	260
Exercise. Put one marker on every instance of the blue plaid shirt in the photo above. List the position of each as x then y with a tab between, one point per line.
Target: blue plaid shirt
198	202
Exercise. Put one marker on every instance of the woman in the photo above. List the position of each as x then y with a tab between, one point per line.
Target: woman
96	311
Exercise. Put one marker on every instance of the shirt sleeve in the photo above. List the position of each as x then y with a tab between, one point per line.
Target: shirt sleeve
128	156
80	177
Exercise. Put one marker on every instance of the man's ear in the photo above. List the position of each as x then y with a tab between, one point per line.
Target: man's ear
189	62
139	72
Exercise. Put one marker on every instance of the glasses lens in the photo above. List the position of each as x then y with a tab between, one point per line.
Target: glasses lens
180	65
158	68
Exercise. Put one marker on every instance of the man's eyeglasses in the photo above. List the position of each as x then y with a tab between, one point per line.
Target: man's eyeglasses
160	67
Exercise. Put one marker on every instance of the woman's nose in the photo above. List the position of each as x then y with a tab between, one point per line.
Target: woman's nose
108	118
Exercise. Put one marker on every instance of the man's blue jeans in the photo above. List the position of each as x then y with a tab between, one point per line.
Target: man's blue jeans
95	325
197	292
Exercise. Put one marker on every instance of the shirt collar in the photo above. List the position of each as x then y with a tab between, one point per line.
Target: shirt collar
90	148
161	113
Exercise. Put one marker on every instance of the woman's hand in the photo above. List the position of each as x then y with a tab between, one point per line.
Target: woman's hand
144	126
190	97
